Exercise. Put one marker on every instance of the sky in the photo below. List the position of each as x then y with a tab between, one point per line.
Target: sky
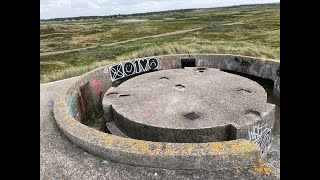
73	8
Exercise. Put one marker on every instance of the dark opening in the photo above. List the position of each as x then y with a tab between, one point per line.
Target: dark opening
192	116
232	132
253	113
107	130
123	95
188	62
113	93
164	78
151	70
201	68
180	87
241	89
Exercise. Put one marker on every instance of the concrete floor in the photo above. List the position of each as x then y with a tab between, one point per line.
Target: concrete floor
61	159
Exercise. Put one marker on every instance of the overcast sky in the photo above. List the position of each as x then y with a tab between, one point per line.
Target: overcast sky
74	8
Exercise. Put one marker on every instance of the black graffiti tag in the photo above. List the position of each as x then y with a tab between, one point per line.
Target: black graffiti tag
129	68
143	63
245	63
116	72
136	64
242	62
153	63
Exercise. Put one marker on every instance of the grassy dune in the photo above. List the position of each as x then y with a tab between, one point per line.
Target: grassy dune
246	30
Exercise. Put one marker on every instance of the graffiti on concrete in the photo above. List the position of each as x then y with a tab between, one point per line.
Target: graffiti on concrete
153	63
96	85
143	63
242	62
129	68
116	72
245	63
70	100
83	115
261	134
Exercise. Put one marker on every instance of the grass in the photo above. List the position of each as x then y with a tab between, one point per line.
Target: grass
95	120
246	30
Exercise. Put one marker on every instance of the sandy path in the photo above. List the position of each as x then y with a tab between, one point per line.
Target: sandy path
120	42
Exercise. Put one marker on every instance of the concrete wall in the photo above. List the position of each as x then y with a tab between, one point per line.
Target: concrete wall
88	91
264	68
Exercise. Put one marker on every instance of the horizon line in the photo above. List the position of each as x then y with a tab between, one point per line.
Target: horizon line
229	6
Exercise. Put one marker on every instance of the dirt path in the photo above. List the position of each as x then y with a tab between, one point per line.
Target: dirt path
119	42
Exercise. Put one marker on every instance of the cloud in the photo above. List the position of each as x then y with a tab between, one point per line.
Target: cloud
72	8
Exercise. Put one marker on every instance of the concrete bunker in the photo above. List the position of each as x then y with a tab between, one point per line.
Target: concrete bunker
82	103
188	107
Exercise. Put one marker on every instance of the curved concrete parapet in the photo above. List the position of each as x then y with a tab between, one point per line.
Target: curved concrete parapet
73	101
192	105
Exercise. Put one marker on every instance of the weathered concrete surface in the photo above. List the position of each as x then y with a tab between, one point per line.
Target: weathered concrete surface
61	159
260	67
265	68
155	106
99	81
70	109
235	154
114	129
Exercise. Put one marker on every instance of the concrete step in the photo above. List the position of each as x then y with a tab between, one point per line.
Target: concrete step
112	127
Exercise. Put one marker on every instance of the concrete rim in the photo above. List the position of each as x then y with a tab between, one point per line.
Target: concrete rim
151	153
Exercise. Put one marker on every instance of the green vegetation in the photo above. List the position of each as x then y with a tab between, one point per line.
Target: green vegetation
95	120
247	30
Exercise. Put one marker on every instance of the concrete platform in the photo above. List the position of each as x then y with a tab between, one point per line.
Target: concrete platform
192	105
64	159
61	159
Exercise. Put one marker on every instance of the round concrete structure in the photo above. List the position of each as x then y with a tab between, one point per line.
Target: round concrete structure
86	93
193	105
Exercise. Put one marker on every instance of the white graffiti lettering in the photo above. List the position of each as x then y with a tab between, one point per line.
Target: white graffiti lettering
261	134
116	72
128	68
